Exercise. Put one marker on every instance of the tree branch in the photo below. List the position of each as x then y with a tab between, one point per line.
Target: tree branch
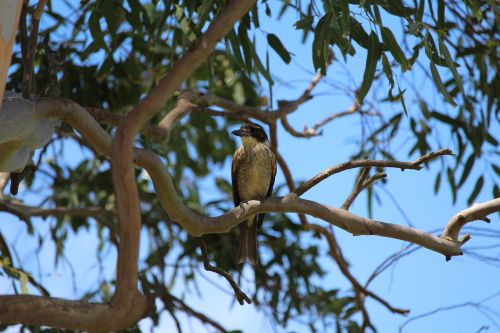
474	213
110	118
240	295
361	184
29	45
415	165
198	225
24	212
168	297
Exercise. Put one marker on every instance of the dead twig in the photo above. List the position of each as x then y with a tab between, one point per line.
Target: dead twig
240	295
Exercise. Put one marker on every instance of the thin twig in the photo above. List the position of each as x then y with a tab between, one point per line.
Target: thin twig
358	187
477	305
29	45
186	308
25	212
240	295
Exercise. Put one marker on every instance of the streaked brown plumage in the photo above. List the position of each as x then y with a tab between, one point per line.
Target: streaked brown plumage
253	173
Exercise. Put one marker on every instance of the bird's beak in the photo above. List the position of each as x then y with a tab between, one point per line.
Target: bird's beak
240	132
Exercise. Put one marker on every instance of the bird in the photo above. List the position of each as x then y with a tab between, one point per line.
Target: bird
252	173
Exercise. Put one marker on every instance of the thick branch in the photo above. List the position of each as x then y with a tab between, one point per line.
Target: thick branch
474	213
415	165
126	194
110	118
77	315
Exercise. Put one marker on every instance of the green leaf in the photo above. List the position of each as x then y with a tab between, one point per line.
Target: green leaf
344	22
437	183
451	181
260	66
386	67
132	69
420	12
476	191
402	99
23	281
246	45
441	14
105	68
467	168
320	43
277	46
359	34
95	29
395	49
304	23
496	168
444	118
451	65
396	7
440	85
475	6
111	12
204	10
372	57
233	40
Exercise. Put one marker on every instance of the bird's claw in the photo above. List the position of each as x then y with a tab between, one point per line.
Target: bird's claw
242	205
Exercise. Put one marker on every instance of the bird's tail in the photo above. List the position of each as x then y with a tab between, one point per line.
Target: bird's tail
248	242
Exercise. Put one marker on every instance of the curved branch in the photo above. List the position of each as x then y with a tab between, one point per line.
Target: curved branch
125	187
240	295
415	165
474	213
198	225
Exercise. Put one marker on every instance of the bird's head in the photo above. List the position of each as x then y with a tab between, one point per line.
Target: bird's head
251	134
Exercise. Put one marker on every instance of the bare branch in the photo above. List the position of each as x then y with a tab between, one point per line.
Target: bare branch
29	45
415	165
474	213
182	108
477	305
306	133
361	184
240	295
77	315
24	212
343	266
358	187
110	118
178	303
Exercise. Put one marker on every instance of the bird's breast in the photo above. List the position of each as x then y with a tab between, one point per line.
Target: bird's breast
255	173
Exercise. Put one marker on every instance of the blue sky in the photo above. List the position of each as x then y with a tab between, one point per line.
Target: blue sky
421	282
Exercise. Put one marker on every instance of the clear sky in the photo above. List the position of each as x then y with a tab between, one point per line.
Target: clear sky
422	282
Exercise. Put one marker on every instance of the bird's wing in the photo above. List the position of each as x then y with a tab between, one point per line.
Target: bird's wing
237	158
259	218
271	184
